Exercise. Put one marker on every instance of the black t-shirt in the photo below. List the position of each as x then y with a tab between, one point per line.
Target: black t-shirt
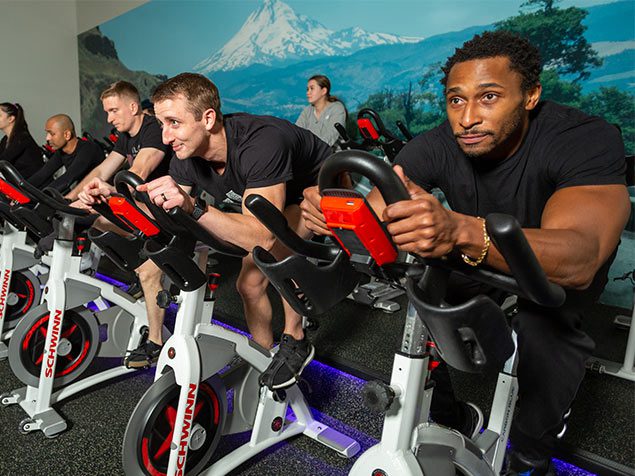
86	156
261	151
563	148
23	153
148	136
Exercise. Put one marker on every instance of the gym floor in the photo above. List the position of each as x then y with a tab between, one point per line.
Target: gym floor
601	436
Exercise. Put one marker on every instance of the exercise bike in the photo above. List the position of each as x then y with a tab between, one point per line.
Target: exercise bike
206	382
55	342
376	293
472	337
21	274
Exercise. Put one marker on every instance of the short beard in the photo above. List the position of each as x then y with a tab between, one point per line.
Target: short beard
503	142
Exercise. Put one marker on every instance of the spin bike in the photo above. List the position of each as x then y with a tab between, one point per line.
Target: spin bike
376	293
206	382
472	337
47	353
21	274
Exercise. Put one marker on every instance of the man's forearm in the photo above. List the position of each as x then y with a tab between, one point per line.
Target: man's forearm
241	230
567	257
75	192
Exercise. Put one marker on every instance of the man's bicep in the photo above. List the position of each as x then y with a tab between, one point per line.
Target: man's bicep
276	194
597	212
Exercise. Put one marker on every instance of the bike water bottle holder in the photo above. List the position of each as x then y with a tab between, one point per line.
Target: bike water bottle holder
124	251
471	337
357	229
175	263
309	288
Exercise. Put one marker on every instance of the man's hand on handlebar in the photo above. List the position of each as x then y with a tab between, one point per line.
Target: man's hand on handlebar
166	193
82	206
95	191
421	225
312	212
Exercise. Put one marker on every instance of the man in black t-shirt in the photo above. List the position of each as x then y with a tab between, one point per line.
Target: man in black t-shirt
77	156
140	147
561	174
231	157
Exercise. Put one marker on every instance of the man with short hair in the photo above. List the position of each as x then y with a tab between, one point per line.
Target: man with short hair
77	156
230	157
140	147
557	170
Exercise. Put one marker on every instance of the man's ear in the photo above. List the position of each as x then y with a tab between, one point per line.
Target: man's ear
209	117
134	108
532	97
67	135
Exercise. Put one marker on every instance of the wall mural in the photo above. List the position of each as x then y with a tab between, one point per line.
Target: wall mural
384	54
263	64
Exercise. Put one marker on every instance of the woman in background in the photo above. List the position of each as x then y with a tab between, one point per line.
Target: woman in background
17	146
324	110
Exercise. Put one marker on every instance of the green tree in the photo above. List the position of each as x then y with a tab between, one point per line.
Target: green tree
559	35
616	107
555	89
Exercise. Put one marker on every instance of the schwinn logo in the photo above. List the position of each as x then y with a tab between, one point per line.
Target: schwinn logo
5	289
185	430
50	358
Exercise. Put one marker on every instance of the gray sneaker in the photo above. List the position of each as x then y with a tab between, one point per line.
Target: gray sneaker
288	363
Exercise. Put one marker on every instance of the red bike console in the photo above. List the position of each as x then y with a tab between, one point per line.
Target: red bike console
12	193
132	216
367	128
356	227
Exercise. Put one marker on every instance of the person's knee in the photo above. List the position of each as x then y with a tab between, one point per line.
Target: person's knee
149	273
251	286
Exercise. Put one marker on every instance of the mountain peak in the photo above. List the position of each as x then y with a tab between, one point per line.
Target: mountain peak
274	32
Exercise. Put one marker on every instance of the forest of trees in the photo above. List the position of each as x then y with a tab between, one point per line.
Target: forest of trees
567	60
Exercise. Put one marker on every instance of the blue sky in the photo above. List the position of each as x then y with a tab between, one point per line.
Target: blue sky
187	31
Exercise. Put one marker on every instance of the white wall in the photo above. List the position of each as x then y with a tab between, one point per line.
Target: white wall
39	59
38	54
91	13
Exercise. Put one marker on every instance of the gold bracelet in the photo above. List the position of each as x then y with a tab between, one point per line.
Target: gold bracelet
487	242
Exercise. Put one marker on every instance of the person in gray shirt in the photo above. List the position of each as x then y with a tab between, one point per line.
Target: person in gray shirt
323	111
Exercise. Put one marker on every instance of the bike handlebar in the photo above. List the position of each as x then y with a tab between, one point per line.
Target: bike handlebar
54	200
529	279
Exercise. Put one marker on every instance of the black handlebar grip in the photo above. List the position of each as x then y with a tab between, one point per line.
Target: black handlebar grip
13	176
341	130
275	222
510	240
404	130
366	164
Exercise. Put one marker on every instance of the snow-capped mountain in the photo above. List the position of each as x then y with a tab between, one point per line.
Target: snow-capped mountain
274	33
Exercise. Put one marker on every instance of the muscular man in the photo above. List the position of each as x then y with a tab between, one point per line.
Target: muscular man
560	173
78	157
231	157
140	147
